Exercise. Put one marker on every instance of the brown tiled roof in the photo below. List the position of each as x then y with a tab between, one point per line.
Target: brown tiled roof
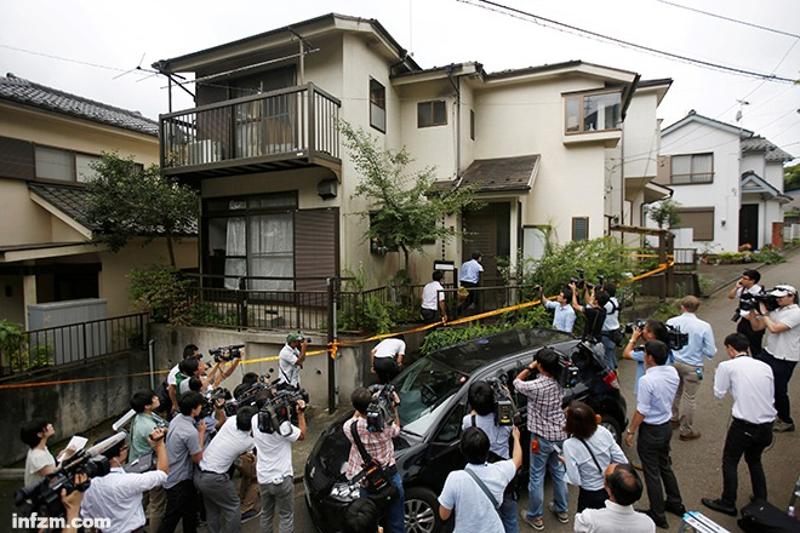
501	174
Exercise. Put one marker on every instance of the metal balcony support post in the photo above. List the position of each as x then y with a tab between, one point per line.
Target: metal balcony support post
332	333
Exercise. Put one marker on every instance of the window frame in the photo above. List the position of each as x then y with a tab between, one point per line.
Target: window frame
581	95
572	233
432	104
705	209
371	102
691	173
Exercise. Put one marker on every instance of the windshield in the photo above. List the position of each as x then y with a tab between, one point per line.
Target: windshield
424	389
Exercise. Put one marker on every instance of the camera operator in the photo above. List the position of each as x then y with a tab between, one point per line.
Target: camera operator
689	364
274	470
546	422
482	400
212	480
196	368
39	462
387	358
170	400
118	495
380	447
145	403
72	503
594	309
611	334
563	314
248	380
184	450
782	349
652	330
473	492
291	359
748	286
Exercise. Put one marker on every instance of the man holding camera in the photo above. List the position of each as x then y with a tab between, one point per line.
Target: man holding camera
145	403
274	470
387	359
746	288
563	314
482	399
190	351
380	448
689	364
291	359
594	308
118	495
782	349
546	423
611	334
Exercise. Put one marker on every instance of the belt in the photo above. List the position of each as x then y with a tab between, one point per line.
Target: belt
655	425
212	472
752	424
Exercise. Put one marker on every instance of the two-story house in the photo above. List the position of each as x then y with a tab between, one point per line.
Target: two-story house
727	180
262	146
48	142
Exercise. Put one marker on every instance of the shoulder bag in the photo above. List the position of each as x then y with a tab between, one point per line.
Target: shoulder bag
374	476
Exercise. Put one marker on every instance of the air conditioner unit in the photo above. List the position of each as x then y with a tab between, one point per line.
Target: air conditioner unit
205	151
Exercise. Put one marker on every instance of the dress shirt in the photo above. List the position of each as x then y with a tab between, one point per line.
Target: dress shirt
657	390
564	316
752	386
613	519
390	348
229	443
470	271
431	295
118	497
612	314
786	344
581	470
378	445
545	414
701	339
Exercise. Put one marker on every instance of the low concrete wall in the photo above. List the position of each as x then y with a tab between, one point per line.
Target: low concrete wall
73	408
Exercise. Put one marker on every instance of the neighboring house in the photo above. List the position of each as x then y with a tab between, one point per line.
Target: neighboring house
48	141
792	209
728	180
263	147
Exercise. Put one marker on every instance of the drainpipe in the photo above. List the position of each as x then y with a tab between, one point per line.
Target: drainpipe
457	88
151	352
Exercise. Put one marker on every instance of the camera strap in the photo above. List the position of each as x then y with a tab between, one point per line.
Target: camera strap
484	488
365	456
592	454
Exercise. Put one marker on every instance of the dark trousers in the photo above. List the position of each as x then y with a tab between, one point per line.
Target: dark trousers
653	448
472	296
429	315
750	440
782	371
591	499
386	368
181	505
754	337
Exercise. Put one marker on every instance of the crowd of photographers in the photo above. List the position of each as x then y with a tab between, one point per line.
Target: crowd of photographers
185	444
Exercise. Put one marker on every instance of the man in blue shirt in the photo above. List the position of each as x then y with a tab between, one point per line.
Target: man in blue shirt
657	390
470	277
564	314
689	364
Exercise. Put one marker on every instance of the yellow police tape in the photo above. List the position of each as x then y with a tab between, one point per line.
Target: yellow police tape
332	348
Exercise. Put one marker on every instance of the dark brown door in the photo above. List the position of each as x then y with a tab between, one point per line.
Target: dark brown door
748	225
488	230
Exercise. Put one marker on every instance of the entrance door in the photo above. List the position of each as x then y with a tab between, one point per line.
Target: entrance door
748	225
488	230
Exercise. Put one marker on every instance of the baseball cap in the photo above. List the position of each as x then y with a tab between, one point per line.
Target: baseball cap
292	337
782	290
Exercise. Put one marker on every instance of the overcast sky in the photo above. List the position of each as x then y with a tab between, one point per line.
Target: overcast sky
438	32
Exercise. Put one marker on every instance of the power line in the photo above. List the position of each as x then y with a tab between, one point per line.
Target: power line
60	58
575	30
729	19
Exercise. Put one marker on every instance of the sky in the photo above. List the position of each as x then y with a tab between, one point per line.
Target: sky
437	32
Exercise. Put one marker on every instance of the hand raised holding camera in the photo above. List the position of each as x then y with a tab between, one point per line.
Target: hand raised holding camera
156	436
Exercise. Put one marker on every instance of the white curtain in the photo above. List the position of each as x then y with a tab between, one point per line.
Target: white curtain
272	251
235	245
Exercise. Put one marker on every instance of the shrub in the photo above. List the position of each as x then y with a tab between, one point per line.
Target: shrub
769	255
159	290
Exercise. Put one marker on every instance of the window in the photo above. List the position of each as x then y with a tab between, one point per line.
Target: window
54	164
432	113
472	124
691	168
700	219
84	169
580	228
593	112
377	106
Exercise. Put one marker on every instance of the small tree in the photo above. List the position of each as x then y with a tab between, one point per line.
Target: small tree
665	215
127	201
407	209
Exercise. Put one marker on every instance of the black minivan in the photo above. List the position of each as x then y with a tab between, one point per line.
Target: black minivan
433	396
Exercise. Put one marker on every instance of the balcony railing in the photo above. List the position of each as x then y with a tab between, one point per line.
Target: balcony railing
291	127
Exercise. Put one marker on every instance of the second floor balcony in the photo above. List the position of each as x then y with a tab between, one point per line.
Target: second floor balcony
289	128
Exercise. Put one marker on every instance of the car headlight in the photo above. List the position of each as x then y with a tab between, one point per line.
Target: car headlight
345	491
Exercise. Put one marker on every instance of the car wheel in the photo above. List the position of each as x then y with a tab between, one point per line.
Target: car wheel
613	427
421	511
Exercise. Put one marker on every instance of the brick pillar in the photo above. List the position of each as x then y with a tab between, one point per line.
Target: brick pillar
777	235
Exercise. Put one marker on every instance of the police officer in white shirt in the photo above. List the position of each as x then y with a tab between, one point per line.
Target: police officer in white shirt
748	286
387	358
219	493
433	304
751	384
291	359
118	495
782	348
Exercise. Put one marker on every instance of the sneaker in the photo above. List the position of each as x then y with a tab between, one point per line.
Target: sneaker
563	517
782	427
719	506
536	523
690	436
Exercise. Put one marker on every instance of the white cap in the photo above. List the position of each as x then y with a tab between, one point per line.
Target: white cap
783	290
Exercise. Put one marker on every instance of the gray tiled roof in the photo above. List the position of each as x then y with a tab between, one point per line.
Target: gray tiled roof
501	174
760	144
29	93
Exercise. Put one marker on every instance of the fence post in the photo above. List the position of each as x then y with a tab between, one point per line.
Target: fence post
332	299
242	298
85	345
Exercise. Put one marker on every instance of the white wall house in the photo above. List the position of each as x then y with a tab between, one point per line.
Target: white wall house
727	180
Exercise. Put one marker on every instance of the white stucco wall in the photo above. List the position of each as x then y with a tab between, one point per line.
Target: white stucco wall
641	137
753	161
773	173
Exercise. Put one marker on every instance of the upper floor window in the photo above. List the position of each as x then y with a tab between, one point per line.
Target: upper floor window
432	113
587	112
54	164
691	168
377	105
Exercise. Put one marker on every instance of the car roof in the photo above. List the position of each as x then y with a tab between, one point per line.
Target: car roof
477	353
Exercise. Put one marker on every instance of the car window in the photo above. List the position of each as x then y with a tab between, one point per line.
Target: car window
451	428
424	389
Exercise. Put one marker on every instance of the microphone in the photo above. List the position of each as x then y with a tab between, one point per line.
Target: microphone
106	444
123	420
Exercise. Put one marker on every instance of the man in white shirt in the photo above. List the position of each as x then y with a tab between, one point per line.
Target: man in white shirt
433	304
470	277
563	313
476	493
624	488
748	287
219	493
291	359
274	470
751	384
118	495
387	358
611	335
782	349
189	351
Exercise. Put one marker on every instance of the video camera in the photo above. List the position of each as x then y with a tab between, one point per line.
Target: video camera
506	411
639	324
752	302
380	410
44	497
675	339
256	395
211	399
279	407
226	353
580	281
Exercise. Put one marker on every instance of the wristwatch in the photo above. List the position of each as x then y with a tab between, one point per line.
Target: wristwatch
629	432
